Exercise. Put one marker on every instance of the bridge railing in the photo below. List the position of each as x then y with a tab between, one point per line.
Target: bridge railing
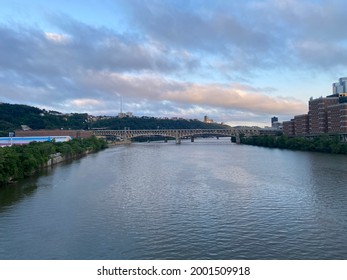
175	132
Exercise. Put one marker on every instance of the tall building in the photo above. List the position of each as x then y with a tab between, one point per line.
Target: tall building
340	86
275	124
273	120
301	125
318	113
289	128
325	115
337	118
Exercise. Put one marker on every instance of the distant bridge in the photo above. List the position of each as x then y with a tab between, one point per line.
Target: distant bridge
178	134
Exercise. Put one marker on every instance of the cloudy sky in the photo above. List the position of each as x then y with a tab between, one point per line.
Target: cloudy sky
239	62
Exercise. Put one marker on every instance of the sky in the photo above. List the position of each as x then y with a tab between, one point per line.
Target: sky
239	62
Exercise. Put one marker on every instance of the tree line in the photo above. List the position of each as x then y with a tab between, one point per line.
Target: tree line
324	143
153	123
17	162
12	116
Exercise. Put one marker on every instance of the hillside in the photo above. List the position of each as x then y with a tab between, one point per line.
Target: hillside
152	123
12	116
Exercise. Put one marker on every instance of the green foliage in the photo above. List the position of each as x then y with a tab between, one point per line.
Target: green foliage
153	123
12	116
17	162
323	144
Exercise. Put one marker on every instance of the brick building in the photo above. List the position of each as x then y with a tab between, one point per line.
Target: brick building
325	115
337	118
57	132
318	114
301	125
288	128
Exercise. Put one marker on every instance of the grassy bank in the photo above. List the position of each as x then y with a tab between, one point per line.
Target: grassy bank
323	144
17	162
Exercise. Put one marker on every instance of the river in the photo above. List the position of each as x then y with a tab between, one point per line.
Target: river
210	199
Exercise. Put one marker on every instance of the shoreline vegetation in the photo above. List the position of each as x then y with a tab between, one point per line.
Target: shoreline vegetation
18	162
323	144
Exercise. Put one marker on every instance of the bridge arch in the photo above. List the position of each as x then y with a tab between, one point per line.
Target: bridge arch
175	133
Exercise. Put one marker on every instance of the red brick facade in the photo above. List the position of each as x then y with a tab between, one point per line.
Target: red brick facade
337	118
318	115
288	128
72	133
326	115
301	125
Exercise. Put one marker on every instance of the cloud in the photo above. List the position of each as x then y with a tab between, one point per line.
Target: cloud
158	89
175	57
323	55
57	38
81	46
311	32
218	31
233	97
85	102
247	36
199	27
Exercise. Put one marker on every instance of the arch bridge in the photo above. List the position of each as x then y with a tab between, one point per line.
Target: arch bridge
178	134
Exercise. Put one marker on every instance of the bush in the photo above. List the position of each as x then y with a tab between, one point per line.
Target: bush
17	162
323	144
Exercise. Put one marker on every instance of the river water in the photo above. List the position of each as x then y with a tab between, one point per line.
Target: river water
210	199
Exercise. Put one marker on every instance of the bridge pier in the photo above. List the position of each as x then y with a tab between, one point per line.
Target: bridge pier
192	139
238	140
178	140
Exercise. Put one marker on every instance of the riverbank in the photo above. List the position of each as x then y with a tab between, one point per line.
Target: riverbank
324	144
18	162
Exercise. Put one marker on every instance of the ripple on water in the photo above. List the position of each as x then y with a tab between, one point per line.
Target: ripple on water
203	201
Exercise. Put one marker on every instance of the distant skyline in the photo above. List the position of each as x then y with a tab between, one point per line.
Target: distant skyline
238	62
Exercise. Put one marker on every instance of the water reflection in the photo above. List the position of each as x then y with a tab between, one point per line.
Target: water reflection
200	200
15	192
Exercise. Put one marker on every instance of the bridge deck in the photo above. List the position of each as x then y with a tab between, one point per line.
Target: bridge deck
175	133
